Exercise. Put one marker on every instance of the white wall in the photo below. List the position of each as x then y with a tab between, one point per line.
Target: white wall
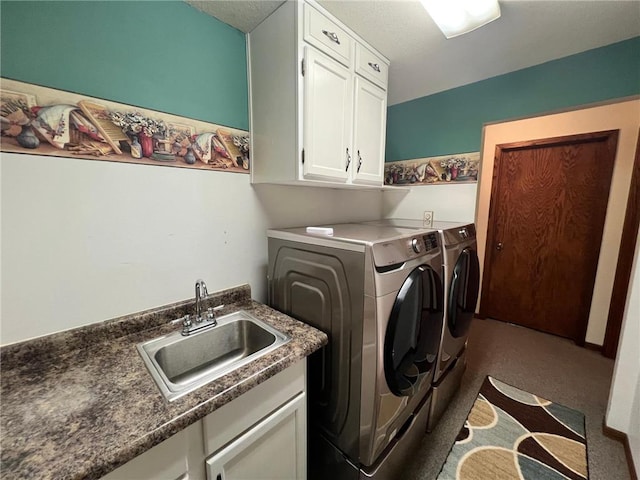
85	241
455	203
623	411
634	427
622	116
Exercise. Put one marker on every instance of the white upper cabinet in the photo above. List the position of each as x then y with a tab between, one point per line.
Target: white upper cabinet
371	66
328	116
318	101
327	36
368	142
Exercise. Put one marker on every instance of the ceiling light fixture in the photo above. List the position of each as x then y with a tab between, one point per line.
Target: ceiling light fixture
455	17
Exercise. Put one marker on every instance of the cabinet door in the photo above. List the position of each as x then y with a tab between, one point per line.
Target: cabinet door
369	132
273	449
168	460
328	116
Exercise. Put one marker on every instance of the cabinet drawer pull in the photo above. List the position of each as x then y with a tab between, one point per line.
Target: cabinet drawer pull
375	66
332	36
348	161
359	162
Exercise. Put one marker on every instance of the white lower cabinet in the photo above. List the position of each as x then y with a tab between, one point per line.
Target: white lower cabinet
260	435
176	458
273	449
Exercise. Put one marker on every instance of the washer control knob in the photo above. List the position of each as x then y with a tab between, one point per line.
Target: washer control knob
415	245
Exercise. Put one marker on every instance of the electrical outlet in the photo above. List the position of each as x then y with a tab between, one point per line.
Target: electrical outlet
427	218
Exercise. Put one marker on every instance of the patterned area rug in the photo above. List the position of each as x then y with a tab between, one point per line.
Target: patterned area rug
512	434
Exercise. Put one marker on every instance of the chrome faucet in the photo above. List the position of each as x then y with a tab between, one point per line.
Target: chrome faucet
200	320
201	294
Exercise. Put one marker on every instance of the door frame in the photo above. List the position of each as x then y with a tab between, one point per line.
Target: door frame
606	135
625	262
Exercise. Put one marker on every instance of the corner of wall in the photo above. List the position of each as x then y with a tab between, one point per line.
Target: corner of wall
623	413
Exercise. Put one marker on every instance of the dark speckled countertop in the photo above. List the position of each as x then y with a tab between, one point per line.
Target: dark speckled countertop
80	403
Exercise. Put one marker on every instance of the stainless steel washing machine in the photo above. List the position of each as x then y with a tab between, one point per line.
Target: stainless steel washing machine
378	294
462	285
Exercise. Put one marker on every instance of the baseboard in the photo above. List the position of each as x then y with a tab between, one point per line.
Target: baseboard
624	439
593	346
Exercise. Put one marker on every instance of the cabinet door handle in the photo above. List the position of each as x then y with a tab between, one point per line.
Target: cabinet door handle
359	161
499	246
375	66
348	161
332	36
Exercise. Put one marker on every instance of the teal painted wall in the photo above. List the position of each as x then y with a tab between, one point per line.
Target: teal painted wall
451	121
161	55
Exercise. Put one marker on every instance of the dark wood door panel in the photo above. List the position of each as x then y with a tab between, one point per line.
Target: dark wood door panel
547	212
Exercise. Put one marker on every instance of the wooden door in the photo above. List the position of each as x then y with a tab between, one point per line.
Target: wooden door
546	218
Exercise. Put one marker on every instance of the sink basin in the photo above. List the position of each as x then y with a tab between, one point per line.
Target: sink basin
181	364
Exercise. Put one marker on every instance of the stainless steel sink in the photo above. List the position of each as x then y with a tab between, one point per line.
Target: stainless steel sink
181	364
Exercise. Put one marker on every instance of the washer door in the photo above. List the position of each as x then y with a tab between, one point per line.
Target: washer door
463	292
413	332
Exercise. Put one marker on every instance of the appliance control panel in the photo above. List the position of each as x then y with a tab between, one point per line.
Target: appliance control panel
431	241
456	235
401	250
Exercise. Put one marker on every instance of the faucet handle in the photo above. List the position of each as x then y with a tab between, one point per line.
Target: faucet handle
186	324
211	316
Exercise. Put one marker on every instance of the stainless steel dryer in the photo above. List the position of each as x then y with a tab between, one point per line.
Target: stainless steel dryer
462	285
378	293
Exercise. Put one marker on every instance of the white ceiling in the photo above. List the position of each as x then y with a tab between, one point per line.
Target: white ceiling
423	62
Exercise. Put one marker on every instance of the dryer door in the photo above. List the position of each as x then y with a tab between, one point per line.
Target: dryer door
463	292
413	332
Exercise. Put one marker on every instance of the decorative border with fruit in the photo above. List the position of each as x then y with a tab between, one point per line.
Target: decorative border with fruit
44	121
444	170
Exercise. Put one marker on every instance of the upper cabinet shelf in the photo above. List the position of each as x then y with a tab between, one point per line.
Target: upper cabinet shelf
318	101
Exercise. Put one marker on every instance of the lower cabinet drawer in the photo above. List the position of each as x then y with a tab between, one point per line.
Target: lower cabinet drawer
273	448
229	421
